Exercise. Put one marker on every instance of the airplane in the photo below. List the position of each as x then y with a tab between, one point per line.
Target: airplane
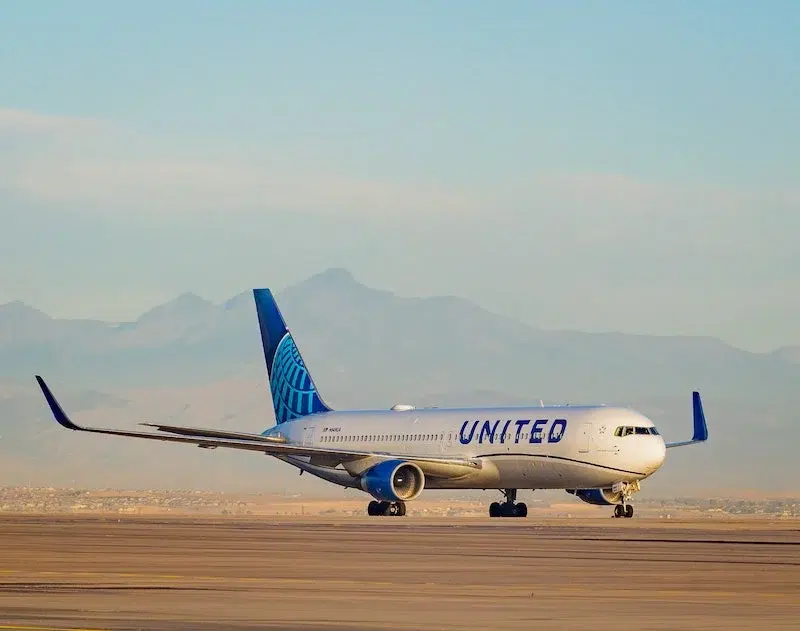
598	453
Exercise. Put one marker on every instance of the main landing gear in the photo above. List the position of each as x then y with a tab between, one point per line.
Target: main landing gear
391	509
508	508
623	510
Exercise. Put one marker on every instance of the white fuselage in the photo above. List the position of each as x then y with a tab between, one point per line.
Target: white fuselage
562	447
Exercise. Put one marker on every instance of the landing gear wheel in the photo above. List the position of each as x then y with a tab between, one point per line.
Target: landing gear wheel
392	509
509	508
629	511
619	510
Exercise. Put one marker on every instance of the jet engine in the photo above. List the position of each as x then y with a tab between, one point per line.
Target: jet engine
598	497
393	481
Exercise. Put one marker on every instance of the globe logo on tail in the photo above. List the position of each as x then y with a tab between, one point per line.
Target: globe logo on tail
293	392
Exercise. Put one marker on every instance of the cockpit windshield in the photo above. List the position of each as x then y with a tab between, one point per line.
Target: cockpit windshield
623	430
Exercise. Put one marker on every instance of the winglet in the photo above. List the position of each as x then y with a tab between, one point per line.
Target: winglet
58	412
700	427
700	433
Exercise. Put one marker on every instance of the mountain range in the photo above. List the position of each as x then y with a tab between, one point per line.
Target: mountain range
200	363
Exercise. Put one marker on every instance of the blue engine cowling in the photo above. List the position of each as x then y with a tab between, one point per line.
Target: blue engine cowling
598	497
393	481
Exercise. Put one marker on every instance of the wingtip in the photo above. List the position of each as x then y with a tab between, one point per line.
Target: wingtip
700	426
55	407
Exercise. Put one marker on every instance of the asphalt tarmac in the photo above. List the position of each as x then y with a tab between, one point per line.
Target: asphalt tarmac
69	572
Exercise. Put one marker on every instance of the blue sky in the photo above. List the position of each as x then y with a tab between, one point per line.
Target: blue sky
626	166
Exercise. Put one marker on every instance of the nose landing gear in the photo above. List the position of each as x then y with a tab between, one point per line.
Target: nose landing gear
626	491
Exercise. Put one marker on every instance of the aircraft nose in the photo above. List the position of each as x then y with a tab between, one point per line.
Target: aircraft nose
655	454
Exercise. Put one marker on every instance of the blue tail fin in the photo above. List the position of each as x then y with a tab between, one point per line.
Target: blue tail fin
293	391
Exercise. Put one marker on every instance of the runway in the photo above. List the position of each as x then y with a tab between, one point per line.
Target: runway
396	573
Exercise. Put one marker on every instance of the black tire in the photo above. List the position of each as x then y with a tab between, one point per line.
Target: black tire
619	510
401	512
521	510
629	511
494	509
373	509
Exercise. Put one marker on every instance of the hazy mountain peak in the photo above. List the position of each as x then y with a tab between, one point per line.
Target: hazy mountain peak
335	280
338	276
18	310
189	299
244	298
185	304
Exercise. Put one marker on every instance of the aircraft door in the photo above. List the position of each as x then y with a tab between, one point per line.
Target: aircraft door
585	438
308	434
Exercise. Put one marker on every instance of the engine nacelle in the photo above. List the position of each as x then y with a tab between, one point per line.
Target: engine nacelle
393	481
598	497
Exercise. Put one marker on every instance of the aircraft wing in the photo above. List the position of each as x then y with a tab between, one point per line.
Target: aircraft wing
700	428
214	433
211	439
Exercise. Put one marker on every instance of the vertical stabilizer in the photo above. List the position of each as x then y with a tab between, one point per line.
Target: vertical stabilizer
293	391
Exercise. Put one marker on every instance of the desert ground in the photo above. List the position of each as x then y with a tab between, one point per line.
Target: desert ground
159	573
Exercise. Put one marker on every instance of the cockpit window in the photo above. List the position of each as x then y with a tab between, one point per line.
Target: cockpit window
627	431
